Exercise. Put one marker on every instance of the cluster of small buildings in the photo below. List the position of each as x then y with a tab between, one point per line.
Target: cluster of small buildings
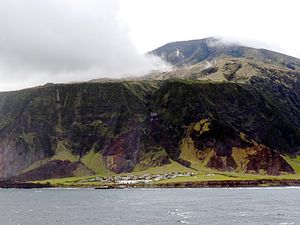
134	179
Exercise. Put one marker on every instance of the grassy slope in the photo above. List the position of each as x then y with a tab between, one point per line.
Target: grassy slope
202	174
294	162
62	153
94	161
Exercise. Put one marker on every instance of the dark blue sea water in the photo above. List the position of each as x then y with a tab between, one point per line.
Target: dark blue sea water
150	206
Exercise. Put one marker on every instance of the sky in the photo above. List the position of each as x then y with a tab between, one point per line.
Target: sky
78	40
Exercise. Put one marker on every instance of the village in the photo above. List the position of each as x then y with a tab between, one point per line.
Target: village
135	179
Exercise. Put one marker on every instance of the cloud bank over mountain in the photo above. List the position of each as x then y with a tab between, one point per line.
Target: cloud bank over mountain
65	41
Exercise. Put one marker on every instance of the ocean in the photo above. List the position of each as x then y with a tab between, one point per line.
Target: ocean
216	206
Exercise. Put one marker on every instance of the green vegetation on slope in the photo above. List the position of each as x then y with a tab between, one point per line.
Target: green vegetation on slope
94	161
139	126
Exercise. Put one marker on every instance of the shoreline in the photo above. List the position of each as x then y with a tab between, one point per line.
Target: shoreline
7	184
192	184
230	183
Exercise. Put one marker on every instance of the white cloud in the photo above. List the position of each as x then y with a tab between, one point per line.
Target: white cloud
269	24
77	40
64	40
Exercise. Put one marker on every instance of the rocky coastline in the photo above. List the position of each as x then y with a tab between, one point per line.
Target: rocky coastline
24	185
6	184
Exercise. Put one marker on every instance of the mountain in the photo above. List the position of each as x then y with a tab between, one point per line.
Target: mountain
223	107
185	53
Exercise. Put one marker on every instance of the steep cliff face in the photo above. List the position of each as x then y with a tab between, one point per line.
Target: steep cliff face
125	124
68	122
25	130
241	106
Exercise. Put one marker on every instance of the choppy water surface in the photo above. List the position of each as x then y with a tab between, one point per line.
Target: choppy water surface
150	206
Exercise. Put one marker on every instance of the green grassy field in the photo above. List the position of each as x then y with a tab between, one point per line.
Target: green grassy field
201	174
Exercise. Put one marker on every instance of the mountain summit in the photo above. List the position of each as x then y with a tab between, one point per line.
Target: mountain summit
211	59
186	53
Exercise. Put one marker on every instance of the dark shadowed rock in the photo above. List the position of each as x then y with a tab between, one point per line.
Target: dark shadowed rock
54	169
122	154
225	164
269	161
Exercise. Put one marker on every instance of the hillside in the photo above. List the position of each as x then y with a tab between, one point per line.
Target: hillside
234	113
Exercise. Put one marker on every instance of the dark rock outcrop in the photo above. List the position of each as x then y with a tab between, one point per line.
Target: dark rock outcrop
53	169
216	162
122	154
269	161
